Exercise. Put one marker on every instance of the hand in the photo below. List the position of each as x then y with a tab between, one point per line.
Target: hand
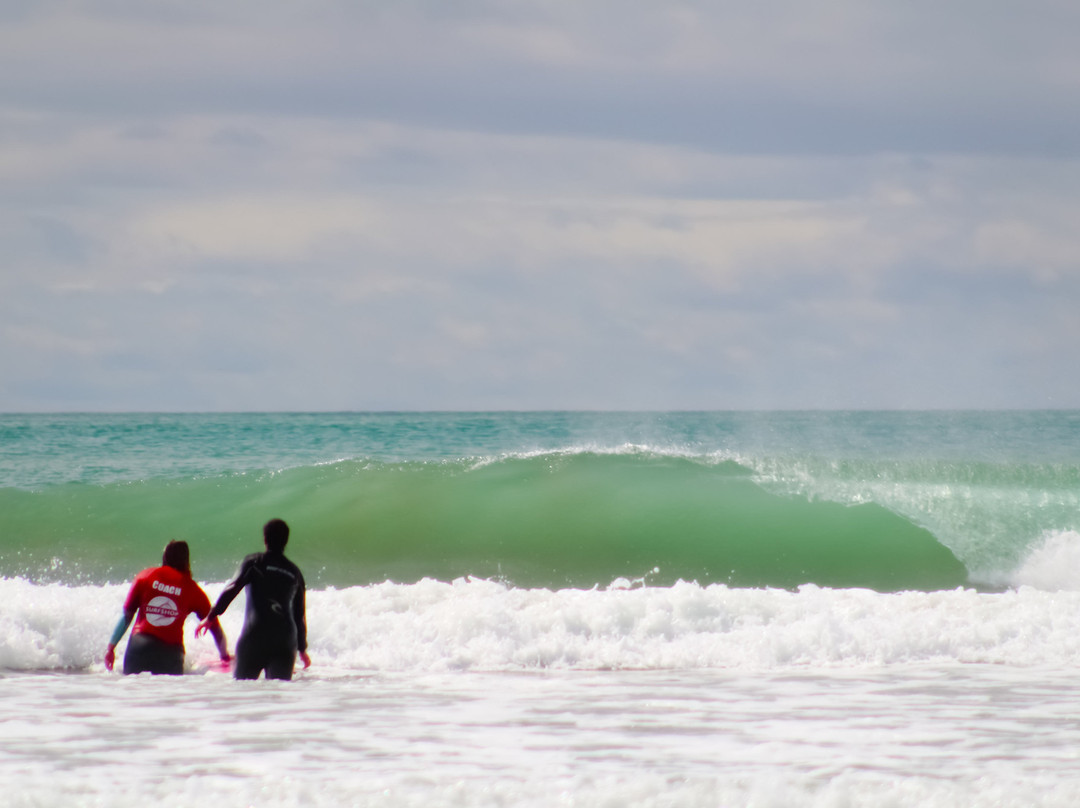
110	657
225	658
305	659
203	627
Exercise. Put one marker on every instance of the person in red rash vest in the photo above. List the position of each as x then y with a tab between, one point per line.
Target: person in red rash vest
162	597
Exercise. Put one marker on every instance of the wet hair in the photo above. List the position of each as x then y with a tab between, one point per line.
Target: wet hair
276	535
178	556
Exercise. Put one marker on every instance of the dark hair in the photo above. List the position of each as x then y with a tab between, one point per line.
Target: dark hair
178	556
276	535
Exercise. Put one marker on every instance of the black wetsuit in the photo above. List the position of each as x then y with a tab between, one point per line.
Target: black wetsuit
275	627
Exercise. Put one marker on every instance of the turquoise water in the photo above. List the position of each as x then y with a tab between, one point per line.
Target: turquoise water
888	501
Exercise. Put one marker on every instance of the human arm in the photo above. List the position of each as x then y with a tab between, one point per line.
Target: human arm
117	635
228	594
214	627
300	618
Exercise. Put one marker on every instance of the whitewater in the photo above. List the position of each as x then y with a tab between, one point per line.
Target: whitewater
470	664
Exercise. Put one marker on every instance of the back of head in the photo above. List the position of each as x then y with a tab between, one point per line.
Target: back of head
178	556
276	535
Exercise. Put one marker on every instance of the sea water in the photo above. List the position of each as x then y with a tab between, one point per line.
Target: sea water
700	609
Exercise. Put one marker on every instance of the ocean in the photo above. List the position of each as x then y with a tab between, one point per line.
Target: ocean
829	609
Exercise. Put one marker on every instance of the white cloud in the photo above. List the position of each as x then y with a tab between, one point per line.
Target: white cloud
44	341
280	228
538	204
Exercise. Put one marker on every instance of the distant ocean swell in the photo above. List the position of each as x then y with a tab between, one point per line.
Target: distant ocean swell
573	519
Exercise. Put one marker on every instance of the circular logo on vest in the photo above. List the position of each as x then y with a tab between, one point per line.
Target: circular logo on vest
161	611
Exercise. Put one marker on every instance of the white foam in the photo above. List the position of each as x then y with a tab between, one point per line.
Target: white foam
434	626
55	626
469	625
624	449
642	791
944	735
1054	565
472	693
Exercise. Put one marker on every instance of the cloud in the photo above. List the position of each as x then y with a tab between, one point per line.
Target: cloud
525	205
781	77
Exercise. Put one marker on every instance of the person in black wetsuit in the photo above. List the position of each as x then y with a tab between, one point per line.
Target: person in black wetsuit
275	626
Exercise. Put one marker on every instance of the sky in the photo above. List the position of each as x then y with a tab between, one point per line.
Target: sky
549	204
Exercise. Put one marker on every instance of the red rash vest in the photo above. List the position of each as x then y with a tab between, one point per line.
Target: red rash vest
165	597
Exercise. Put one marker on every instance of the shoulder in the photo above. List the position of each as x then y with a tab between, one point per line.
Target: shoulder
139	587
250	562
198	596
174	582
299	576
145	576
289	565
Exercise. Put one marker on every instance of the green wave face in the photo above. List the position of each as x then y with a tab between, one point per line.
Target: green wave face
555	520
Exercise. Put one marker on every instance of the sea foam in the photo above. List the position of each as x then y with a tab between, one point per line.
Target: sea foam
1054	565
481	625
